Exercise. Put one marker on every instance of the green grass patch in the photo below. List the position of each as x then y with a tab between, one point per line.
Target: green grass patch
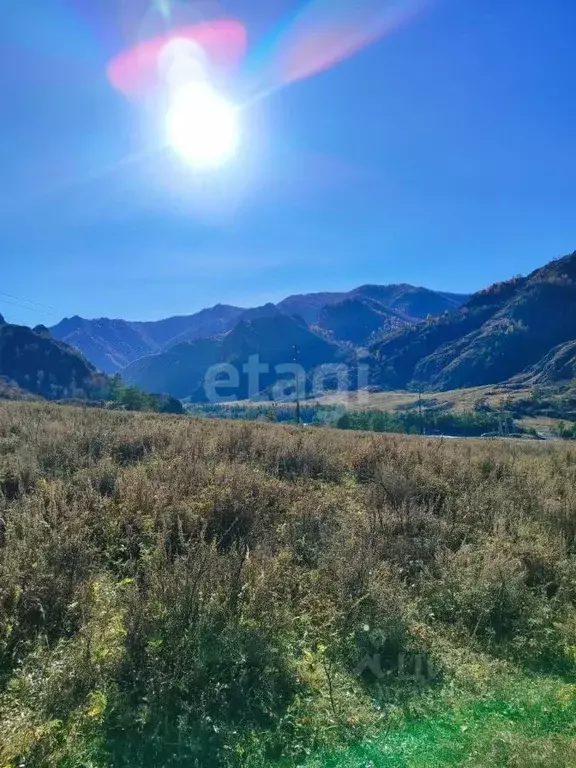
528	722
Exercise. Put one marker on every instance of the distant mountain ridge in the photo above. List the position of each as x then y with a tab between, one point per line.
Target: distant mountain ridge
521	331
181	370
413	302
113	344
497	334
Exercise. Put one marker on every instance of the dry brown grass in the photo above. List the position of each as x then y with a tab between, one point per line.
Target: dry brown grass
459	400
174	588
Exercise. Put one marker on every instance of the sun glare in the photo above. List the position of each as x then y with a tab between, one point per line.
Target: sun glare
202	126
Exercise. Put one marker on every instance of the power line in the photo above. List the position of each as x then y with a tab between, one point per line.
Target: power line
28	301
297	361
28	308
420	411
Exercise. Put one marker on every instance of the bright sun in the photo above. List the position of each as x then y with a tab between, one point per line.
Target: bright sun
202	126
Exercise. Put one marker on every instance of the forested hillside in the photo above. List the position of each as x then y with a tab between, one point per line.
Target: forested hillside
495	335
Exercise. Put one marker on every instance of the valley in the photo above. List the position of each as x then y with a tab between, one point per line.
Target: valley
518	334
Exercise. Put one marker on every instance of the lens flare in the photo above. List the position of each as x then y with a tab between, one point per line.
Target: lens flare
323	33
142	69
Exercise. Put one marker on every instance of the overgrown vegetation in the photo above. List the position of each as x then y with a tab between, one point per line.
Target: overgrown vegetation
430	421
554	402
566	431
522	412
117	394
193	592
412	421
11	391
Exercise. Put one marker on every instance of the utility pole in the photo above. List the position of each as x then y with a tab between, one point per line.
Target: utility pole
420	411
297	360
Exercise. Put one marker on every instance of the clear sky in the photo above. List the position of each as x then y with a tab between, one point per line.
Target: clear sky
442	155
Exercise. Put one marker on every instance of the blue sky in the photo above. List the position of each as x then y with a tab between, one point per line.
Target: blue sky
443	155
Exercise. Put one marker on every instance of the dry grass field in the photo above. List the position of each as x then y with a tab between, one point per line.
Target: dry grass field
459	400
181	592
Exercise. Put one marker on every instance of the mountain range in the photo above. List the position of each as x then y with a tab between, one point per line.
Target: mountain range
112	344
521	331
173	355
